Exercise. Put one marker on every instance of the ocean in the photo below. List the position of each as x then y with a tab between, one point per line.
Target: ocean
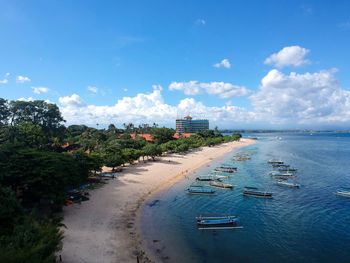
310	224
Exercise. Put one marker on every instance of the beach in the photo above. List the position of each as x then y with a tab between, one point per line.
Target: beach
105	228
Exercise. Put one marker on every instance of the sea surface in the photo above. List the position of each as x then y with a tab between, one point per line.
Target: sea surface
310	224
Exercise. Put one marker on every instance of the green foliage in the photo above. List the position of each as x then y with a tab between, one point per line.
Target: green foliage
152	150
31	241
162	135
4	112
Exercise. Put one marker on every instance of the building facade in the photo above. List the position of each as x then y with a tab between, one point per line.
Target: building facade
188	125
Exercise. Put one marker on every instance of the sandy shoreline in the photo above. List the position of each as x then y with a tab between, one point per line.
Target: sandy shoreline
106	228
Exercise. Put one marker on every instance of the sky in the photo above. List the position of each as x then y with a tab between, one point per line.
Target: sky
240	64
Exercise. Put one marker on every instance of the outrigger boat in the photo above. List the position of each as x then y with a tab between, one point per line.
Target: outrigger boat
200	190
275	162
217	222
209	177
220	184
287	169
343	192
226	169
255	192
281	174
281	165
287	184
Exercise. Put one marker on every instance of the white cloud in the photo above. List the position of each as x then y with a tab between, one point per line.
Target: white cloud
344	25
225	63
26	99
147	108
200	22
288	56
5	80
125	89
22	79
40	90
222	89
309	98
92	89
71	101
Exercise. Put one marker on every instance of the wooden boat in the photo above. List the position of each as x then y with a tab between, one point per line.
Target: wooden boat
287	184
281	174
343	192
200	190
226	169
217	222
209	177
275	162
287	169
220	184
255	192
281	165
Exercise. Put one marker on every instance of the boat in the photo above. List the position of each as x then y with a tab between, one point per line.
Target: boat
255	192
272	161
209	177
287	169
343	192
217	222
200	190
280	165
226	169
287	184
241	158
220	184
281	174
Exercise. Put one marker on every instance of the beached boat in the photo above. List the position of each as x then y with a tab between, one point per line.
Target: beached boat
287	184
275	162
343	192
255	192
220	184
217	222
200	190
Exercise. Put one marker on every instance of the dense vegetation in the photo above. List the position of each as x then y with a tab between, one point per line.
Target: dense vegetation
41	159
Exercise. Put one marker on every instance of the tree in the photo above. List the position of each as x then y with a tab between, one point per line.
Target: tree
152	150
162	135
4	112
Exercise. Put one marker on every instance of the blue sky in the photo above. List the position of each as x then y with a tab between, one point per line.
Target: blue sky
111	54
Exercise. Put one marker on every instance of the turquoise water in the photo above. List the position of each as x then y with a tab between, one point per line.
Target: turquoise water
309	224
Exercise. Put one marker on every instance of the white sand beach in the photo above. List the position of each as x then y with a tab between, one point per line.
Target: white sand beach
104	229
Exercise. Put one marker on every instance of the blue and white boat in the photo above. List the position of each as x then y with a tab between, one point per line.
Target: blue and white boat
343	192
217	222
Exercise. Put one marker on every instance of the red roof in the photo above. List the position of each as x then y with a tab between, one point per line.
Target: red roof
188	117
182	135
146	136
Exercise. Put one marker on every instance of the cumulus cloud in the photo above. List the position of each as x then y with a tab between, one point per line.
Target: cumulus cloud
288	56
225	63
22	79
147	108
5	80
308	98
222	89
71	101
40	90
92	89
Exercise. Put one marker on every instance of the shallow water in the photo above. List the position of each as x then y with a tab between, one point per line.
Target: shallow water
309	224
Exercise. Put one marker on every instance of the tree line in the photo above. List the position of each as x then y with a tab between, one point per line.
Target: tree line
41	159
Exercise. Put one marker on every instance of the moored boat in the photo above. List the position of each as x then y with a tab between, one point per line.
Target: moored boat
200	190
287	184
209	177
343	192
217	222
281	165
275	162
287	169
220	184
255	192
